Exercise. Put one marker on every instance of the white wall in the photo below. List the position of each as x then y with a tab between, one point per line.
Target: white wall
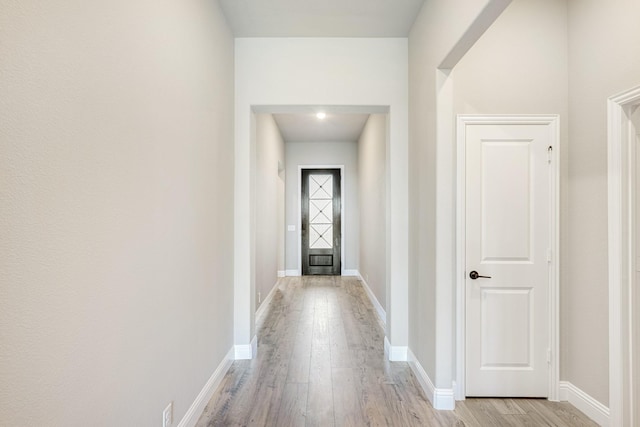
116	158
335	71
372	197
269	215
326	154
603	61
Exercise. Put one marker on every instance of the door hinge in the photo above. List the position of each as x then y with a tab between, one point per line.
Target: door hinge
549	255
549	153
549	356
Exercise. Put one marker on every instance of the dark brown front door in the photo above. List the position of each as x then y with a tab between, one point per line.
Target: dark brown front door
321	221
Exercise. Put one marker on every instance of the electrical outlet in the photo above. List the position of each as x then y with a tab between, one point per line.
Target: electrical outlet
259	298
167	415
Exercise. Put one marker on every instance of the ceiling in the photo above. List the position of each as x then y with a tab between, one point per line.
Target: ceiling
328	18
306	127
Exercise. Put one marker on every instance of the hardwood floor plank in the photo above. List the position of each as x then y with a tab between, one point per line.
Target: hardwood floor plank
548	412
320	396
569	415
320	399
507	407
466	415
293	406
340	352
346	404
526	420
485	412
301	351
216	410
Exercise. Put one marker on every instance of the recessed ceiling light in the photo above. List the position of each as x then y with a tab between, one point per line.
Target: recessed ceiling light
321	115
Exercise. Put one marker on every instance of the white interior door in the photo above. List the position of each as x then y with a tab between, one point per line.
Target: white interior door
508	239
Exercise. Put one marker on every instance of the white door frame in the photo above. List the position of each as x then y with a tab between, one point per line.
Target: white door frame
622	188
342	213
554	296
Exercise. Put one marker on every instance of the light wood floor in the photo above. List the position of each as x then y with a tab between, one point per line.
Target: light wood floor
321	363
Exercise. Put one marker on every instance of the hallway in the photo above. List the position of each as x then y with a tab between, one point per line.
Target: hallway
321	362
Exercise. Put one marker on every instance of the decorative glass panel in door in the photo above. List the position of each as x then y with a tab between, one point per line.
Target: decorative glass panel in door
321	210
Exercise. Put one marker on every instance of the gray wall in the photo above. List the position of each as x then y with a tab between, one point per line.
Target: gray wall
438	27
519	66
603	61
549	56
565	57
269	212
323	153
116	213
373	213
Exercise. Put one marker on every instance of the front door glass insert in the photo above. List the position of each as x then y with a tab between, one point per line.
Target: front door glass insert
320	211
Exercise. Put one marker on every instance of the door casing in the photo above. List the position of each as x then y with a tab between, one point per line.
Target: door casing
622	284
554	192
342	212
335	267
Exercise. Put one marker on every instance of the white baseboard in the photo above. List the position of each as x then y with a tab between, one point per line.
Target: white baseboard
351	273
293	273
585	403
282	273
197	407
394	352
246	351
265	302
440	398
382	314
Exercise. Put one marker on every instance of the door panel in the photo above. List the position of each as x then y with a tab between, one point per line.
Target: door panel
506	347
321	221
508	233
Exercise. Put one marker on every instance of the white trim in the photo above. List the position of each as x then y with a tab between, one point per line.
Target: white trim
440	398
282	273
622	213
292	273
382	315
351	273
395	353
553	121
585	403
265	302
342	212
444	399
246	351
197	407
243	352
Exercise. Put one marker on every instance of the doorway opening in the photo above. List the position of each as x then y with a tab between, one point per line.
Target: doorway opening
373	176
321	221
